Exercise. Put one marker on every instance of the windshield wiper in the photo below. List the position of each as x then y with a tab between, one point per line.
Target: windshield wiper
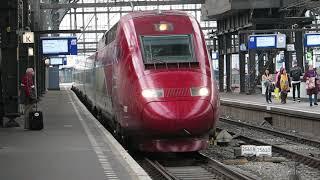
158	60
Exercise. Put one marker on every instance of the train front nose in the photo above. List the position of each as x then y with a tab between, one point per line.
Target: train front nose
178	117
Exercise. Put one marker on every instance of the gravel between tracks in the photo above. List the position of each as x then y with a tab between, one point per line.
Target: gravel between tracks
265	170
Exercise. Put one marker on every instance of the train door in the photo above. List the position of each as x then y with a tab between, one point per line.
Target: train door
115	81
94	80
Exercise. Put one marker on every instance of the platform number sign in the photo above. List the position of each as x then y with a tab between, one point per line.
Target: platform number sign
28	38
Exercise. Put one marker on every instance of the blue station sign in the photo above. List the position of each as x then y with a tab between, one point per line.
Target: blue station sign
312	40
59	46
270	41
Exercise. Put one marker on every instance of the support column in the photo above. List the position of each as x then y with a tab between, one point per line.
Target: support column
299	49
9	64
228	72
36	60
252	71
84	28
47	77
70	17
287	60
1	103
221	63
242	65
269	64
261	67
288	55
96	22
75	18
228	46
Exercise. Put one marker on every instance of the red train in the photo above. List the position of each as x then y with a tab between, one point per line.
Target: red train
151	78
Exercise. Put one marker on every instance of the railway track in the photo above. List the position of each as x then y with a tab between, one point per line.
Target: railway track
196	167
280	148
296	138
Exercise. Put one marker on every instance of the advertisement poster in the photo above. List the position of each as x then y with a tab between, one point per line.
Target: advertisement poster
280	61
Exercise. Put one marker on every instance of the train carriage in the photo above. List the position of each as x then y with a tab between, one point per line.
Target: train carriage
151	77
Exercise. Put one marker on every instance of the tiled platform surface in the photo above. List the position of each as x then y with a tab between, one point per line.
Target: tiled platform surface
72	146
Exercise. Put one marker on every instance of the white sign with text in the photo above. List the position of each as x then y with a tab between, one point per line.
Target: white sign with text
252	150
248	150
263	151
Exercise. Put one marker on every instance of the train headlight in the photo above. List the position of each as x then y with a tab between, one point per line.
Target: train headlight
163	26
152	93
203	91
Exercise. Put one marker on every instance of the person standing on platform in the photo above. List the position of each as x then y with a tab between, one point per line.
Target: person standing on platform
276	90
267	82
284	85
29	93
311	77
295	74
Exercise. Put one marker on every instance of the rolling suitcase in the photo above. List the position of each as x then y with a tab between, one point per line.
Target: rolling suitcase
35	120
35	117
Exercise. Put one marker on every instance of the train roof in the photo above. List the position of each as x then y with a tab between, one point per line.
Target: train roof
138	14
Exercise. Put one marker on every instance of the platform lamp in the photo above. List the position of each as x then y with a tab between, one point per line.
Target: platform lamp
30	51
47	61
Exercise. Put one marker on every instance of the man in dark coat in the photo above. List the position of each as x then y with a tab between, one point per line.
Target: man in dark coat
295	74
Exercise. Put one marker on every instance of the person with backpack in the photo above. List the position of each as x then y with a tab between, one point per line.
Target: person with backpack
311	78
284	85
295	74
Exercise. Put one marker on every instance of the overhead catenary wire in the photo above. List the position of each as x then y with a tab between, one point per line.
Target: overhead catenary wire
94	15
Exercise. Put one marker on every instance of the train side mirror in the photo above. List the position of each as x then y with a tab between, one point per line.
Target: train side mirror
106	40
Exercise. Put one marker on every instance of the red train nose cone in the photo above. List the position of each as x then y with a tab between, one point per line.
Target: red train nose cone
190	117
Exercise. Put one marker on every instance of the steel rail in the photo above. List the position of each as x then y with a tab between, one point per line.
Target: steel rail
155	171
296	138
203	168
217	167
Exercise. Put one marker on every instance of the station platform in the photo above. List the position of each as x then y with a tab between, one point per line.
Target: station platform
258	99
293	116
72	146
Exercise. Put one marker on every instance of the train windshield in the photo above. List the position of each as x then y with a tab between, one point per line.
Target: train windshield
167	49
